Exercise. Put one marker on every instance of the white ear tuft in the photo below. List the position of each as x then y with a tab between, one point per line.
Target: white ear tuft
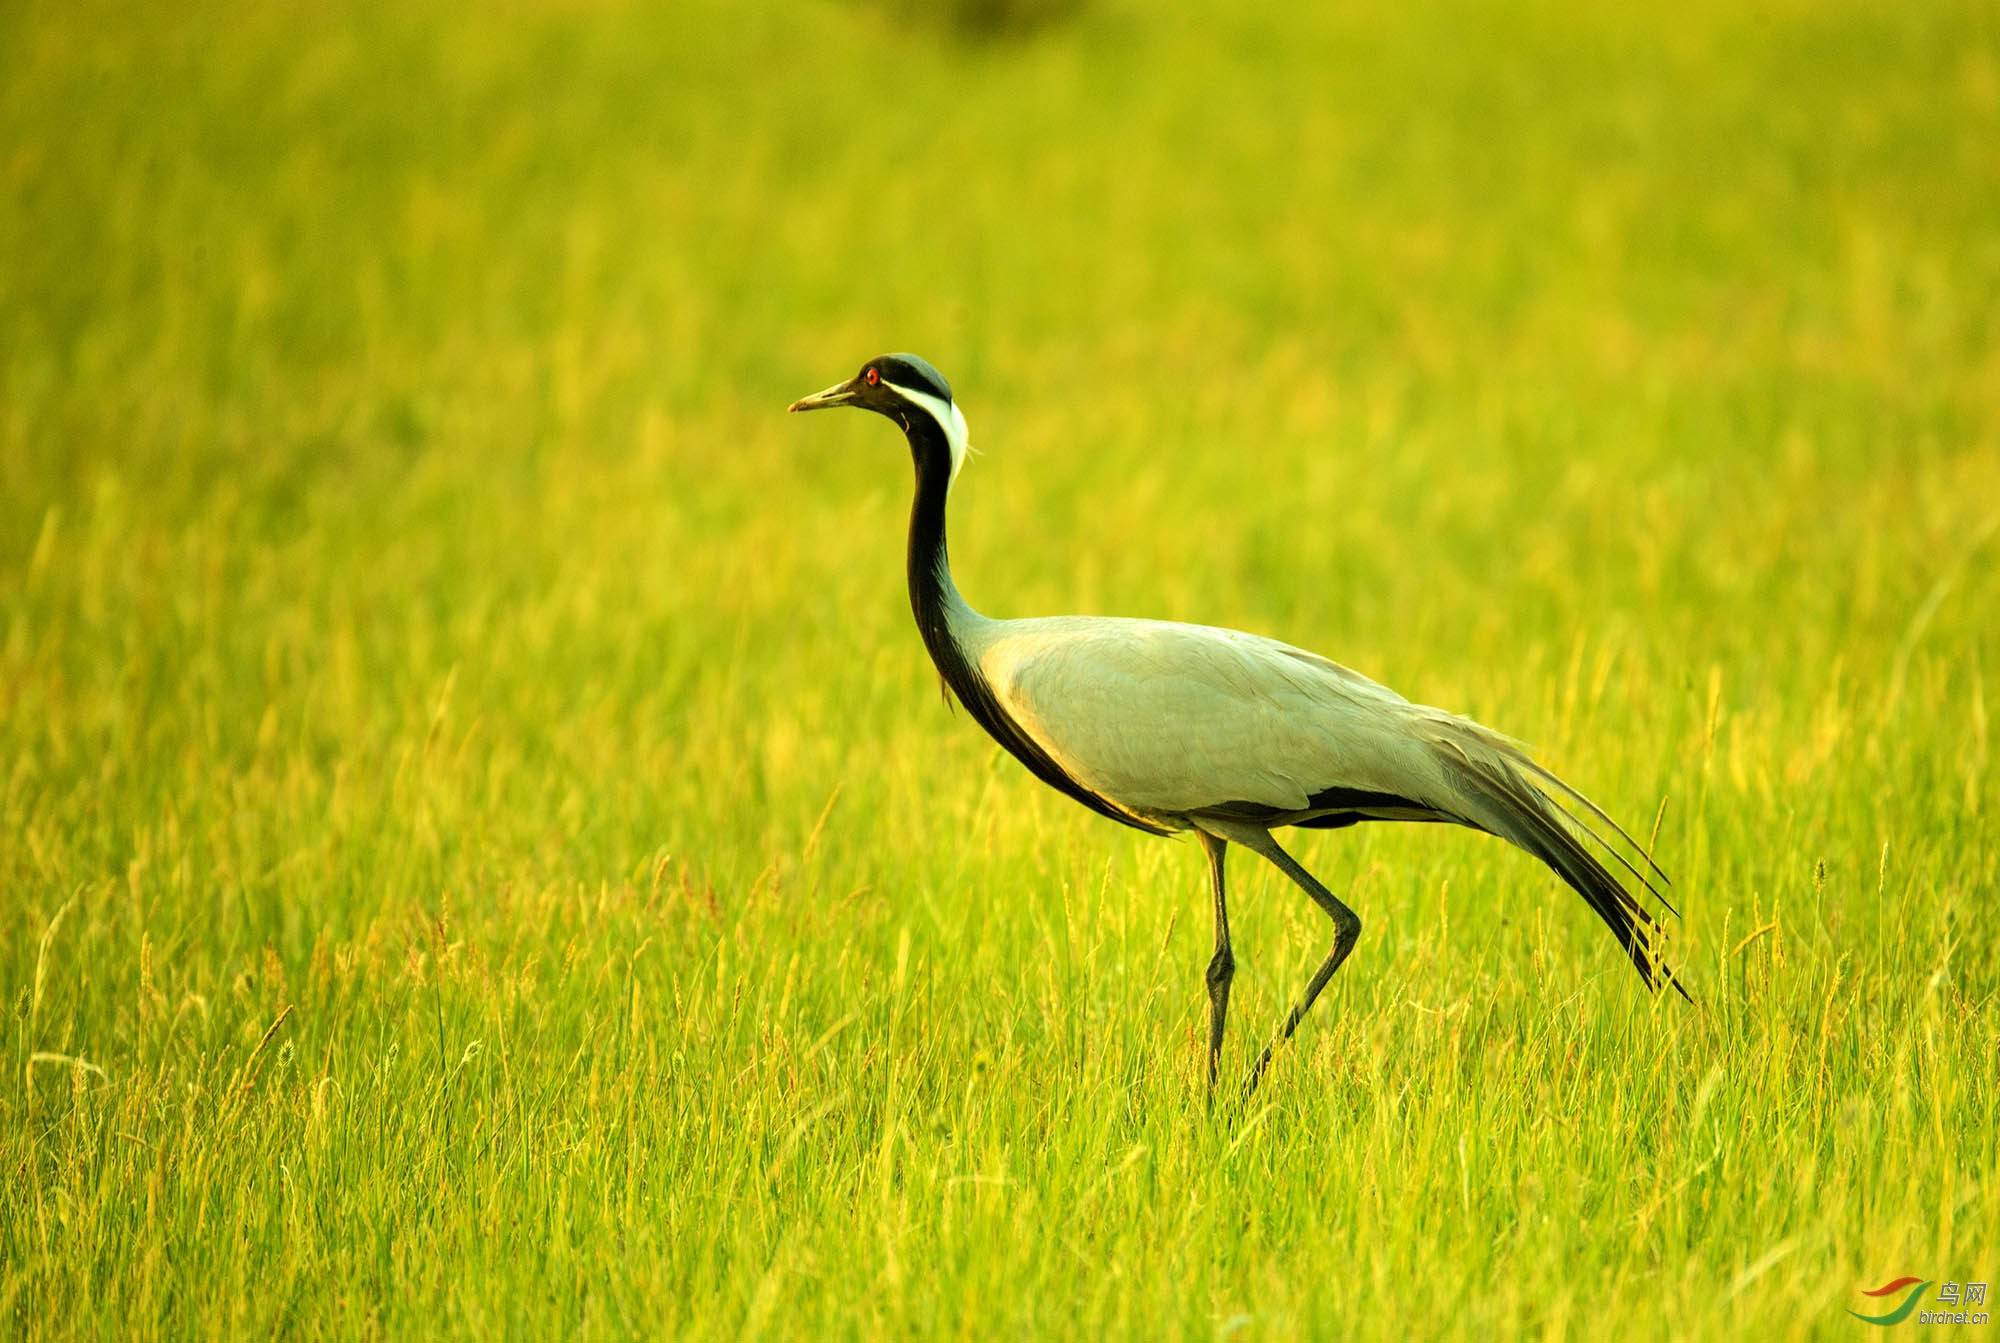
948	419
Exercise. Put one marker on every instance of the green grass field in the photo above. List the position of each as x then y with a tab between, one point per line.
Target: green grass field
482	851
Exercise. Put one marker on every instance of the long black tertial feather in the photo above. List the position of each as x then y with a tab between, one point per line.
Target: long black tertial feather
1497	788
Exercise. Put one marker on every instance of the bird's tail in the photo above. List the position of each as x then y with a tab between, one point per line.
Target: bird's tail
1501	790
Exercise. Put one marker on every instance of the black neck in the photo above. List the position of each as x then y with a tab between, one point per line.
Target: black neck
932	593
935	601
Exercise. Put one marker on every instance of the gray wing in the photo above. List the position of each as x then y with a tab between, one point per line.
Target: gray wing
1188	721
1162	717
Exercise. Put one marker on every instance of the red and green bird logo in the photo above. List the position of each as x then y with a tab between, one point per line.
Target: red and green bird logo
1900	1313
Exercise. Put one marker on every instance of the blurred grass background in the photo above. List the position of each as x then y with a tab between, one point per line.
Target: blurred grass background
482	852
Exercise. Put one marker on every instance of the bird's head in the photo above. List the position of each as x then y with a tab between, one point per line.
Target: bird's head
907	390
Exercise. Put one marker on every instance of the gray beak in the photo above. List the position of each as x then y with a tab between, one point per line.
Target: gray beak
840	394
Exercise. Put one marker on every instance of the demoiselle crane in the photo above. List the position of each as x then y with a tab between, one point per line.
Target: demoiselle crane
1169	727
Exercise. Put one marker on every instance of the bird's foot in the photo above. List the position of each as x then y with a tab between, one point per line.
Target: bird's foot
1256	1072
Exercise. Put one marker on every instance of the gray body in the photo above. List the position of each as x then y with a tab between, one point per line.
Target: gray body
1179	723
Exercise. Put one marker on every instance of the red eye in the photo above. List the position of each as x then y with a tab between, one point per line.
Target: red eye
873	377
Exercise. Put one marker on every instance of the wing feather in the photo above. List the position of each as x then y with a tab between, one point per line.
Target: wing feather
1164	717
1188	721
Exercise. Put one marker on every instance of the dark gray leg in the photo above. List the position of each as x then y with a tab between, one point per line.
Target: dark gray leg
1222	966
1346	930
